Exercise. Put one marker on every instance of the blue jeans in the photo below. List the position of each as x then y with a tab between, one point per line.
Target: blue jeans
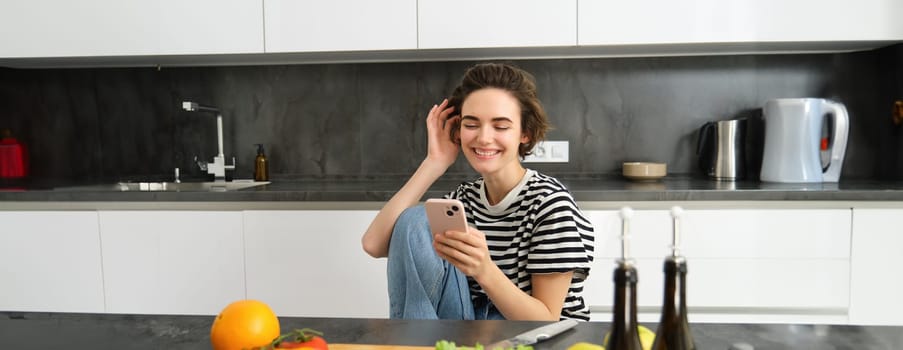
421	284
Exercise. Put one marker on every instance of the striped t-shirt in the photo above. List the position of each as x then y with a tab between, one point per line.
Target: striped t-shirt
536	228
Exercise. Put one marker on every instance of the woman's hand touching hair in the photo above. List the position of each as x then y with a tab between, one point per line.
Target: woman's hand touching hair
441	148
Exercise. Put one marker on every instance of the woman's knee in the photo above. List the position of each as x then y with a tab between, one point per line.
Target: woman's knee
411	226
415	215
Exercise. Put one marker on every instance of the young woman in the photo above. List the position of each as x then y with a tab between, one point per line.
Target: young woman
528	248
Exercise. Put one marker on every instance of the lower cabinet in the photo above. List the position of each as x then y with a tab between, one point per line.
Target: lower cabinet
50	261
310	263
789	265
875	297
172	262
745	265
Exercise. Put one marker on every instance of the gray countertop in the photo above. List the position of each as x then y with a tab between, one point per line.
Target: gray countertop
137	332
584	189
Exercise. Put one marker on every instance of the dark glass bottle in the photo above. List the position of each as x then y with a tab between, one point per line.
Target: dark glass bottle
624	334
673	331
261	167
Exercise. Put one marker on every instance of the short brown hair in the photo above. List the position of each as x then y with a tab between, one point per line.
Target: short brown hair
521	84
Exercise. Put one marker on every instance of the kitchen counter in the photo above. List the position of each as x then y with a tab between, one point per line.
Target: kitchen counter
128	332
584	189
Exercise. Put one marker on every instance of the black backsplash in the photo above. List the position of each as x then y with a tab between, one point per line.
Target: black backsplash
368	119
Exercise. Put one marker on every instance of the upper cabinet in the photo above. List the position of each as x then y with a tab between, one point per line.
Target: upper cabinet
60	33
187	27
611	22
60	28
500	23
340	25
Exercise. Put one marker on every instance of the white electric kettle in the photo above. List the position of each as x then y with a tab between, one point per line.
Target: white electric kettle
793	140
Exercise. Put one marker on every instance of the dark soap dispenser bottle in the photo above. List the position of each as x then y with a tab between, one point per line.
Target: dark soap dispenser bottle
673	329
261	167
623	334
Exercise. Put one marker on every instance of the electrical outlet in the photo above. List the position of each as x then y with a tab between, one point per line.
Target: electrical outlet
549	152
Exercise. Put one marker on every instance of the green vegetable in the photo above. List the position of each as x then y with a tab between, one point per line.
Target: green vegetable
447	345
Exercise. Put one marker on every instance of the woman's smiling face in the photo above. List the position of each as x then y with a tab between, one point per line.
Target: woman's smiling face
491	131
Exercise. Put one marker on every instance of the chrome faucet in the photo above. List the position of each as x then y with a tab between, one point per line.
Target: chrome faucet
218	167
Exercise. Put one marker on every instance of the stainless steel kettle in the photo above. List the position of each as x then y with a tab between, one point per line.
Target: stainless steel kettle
721	148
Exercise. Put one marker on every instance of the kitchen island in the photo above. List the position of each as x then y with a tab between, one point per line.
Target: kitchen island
139	332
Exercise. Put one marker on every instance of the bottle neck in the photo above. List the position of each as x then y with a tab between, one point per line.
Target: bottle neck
675	303
673	330
624	334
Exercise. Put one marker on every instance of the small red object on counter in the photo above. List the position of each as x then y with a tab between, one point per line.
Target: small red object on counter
13	157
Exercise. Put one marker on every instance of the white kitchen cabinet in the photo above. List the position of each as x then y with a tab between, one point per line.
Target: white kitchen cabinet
753	265
172	262
876	285
60	28
310	263
50	261
610	22
340	25
500	23
188	27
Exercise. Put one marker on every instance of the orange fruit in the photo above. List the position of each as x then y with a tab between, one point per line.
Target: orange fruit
244	324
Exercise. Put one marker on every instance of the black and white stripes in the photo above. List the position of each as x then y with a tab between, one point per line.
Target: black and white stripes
537	228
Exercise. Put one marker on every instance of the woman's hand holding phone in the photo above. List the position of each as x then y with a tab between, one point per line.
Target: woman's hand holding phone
462	246
445	215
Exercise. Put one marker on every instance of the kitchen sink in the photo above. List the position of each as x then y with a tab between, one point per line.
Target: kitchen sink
164	186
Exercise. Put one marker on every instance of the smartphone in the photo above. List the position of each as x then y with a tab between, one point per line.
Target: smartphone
445	215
